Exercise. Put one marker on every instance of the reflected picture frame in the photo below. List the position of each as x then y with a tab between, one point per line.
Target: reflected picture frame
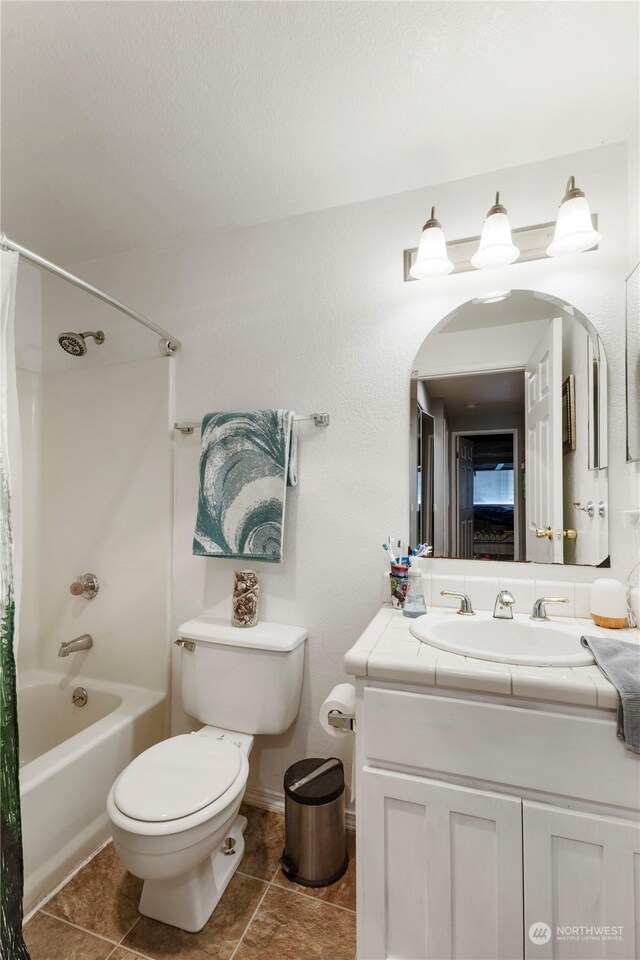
569	414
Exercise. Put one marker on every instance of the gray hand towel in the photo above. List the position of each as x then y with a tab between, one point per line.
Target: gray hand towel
619	660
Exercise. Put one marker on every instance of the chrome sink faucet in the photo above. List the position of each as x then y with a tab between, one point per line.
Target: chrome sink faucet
85	642
466	607
540	609
503	609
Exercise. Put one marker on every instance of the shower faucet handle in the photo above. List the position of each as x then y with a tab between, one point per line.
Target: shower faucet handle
86	585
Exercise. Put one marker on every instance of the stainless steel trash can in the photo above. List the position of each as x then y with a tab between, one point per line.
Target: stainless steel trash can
315	849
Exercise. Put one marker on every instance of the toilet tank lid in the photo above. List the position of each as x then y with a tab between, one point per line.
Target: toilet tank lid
281	637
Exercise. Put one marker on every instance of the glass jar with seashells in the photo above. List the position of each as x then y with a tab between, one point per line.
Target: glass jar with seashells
245	598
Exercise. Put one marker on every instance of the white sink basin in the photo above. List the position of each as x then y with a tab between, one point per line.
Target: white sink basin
518	641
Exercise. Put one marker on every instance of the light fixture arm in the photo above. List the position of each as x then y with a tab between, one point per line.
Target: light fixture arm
572	191
497	207
432	222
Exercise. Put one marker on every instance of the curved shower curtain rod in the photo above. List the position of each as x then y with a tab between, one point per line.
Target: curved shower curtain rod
168	343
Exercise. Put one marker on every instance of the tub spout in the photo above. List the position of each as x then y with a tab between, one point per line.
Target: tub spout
85	642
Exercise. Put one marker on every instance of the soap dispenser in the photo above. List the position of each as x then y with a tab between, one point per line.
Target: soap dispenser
414	604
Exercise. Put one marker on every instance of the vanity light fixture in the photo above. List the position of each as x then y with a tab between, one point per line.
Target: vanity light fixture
432	260
574	229
496	249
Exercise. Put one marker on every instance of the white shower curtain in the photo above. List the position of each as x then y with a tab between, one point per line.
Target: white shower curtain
12	946
10	458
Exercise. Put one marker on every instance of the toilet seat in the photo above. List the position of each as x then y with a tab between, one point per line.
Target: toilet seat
176	778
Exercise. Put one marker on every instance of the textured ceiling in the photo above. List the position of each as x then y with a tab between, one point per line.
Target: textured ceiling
492	393
127	123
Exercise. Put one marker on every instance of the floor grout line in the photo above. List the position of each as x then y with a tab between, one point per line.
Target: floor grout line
78	927
252	876
251	919
130	928
133	951
271	883
309	896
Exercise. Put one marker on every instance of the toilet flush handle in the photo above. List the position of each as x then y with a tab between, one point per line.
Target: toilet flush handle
186	644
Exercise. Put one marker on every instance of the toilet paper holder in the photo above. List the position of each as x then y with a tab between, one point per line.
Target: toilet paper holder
343	721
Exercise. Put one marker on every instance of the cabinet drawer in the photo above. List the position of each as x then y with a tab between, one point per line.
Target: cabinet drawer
564	755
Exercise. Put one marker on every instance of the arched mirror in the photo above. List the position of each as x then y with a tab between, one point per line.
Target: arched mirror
509	433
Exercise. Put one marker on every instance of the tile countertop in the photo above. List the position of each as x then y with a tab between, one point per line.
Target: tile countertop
388	651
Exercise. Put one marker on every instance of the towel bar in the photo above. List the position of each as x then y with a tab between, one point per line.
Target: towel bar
187	427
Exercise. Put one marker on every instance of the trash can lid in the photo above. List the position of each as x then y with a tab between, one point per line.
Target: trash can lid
325	786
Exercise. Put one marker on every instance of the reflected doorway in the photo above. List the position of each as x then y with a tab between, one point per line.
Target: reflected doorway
486	495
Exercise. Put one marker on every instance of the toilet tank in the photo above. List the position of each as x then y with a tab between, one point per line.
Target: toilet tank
246	679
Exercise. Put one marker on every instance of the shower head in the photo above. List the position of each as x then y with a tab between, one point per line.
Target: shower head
75	344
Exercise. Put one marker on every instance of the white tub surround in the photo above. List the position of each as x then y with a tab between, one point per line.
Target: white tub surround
490	798
71	756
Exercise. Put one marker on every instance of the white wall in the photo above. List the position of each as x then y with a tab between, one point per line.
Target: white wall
312	313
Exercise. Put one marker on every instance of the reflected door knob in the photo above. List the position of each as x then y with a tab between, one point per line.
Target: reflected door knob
86	585
548	533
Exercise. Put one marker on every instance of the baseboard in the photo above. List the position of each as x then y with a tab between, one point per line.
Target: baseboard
274	800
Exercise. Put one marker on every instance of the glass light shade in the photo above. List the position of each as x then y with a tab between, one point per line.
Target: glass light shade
574	229
496	247
432	259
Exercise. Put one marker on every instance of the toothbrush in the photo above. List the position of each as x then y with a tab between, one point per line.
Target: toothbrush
387	547
391	553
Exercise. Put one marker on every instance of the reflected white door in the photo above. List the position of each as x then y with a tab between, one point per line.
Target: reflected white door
464	497
543	425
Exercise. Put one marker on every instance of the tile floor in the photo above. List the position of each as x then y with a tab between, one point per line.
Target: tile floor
260	917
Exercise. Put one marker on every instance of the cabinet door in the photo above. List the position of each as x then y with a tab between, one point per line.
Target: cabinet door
441	871
581	871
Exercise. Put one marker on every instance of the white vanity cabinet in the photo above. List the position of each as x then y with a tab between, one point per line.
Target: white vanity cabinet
481	816
441	868
581	870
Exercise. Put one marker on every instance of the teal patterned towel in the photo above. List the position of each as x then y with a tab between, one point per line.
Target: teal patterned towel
246	461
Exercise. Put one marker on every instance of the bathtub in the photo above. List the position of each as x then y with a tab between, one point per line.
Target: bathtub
70	755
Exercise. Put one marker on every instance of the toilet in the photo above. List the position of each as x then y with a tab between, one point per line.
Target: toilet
174	810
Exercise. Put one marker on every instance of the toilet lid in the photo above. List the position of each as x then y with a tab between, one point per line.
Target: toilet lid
176	778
